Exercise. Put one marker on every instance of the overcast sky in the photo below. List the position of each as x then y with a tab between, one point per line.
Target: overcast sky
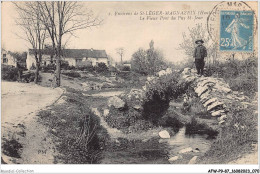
119	31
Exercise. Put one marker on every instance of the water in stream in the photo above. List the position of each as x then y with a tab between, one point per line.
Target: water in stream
157	151
181	141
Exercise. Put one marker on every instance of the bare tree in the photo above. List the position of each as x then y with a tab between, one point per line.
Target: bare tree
62	18
121	52
34	32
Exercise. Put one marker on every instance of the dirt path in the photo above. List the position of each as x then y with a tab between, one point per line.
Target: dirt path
250	158
20	104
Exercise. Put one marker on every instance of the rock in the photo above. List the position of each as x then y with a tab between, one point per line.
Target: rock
168	71
173	158
210	101
196	150
186	150
223	117
161	73
201	90
217	113
54	131
116	102
137	107
150	78
221	122
164	134
214	105
106	112
193	160
63	121
222	88
186	71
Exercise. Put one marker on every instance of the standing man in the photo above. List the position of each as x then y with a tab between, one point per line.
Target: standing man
199	54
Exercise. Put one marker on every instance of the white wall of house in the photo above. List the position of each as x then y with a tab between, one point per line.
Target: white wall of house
7	59
95	61
71	61
30	61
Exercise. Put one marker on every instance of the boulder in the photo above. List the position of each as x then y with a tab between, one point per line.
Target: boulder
173	158
186	150
106	112
116	102
193	160
164	134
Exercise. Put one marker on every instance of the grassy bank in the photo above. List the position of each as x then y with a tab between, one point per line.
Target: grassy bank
79	137
236	138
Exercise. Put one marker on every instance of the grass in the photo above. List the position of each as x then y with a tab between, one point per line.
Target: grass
236	138
12	148
80	138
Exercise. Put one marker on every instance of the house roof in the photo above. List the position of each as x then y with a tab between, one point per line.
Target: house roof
76	53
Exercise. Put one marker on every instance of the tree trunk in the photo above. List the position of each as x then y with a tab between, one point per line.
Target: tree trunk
58	71
36	79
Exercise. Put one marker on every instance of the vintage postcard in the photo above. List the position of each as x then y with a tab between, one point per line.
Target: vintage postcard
85	82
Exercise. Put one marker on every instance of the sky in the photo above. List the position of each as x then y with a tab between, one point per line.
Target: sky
126	31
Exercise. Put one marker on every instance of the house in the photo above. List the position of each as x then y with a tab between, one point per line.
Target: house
75	57
7	58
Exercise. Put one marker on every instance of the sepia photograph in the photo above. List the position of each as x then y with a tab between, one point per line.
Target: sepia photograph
137	82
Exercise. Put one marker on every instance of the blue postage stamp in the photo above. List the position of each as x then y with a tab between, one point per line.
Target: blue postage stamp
236	31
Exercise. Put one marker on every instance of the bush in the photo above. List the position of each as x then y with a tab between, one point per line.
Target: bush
241	75
101	68
64	64
88	68
9	73
159	94
72	74
49	68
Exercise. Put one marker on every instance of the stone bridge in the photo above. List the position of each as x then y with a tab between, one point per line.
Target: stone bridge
215	94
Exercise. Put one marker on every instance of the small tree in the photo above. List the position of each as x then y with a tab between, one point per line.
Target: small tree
147	61
102	68
121	52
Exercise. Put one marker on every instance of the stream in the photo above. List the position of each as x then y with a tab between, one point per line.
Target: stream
181	141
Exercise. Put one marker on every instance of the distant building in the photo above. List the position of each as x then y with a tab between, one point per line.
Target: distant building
75	57
7	58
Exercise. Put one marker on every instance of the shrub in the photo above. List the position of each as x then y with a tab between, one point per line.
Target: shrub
241	75
89	68
64	64
48	68
101	68
160	92
72	74
9	73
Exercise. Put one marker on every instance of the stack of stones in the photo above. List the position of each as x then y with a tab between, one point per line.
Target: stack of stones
214	94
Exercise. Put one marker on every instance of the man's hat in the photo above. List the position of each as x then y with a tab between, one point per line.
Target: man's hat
199	41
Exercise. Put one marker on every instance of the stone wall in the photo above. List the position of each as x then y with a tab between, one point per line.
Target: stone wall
215	95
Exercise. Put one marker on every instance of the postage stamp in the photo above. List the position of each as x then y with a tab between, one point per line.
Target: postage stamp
236	31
